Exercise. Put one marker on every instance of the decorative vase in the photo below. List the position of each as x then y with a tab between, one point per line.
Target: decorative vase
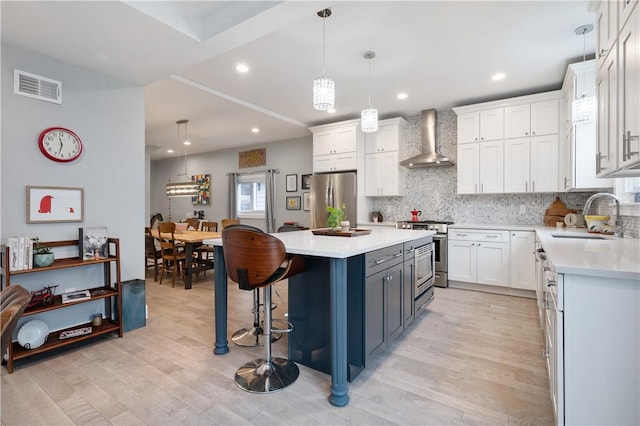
344	225
42	259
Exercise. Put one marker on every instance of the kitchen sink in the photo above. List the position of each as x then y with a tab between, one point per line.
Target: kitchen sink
579	237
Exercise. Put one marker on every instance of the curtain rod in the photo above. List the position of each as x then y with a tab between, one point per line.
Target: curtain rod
257	171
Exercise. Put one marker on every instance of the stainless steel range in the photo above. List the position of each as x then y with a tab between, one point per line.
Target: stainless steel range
439	243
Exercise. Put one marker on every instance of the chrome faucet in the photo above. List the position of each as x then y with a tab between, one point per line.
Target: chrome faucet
587	206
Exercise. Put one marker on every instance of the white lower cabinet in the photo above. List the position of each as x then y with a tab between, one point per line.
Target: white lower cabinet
479	256
522	261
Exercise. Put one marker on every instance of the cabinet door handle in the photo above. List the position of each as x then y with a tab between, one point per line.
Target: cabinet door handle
379	261
533	133
475	139
475	187
603	53
461	235
397	254
478	244
533	186
481	189
551	283
493	236
473	244
629	139
565	182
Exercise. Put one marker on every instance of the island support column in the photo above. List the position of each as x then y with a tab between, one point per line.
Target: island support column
220	295
338	284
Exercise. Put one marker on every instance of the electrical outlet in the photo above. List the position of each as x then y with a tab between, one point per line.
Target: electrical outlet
523	209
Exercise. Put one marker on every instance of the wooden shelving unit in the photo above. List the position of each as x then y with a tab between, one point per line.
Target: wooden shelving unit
110	292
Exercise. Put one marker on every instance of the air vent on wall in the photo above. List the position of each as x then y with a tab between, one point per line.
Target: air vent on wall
37	87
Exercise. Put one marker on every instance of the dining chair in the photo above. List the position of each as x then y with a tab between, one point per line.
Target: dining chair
226	222
205	251
172	258
152	253
193	224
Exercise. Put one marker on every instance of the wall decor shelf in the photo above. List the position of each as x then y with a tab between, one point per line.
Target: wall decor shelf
110	292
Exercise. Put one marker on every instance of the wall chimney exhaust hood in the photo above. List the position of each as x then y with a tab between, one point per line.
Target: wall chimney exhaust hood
429	156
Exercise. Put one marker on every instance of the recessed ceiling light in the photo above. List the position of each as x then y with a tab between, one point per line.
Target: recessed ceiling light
186	143
331	111
170	151
498	76
402	95
255	130
242	68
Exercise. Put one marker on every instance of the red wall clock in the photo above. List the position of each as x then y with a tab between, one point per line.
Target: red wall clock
60	144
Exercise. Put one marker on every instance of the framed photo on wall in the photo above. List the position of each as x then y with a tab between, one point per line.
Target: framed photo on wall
292	183
306	201
305	182
53	204
293	203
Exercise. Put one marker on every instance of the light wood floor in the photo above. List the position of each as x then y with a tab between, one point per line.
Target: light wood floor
471	358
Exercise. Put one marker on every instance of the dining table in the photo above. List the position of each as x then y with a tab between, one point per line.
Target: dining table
191	241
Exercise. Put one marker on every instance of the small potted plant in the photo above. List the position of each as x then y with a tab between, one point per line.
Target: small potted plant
42	255
337	218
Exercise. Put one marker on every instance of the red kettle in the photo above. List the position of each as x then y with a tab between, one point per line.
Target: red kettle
415	214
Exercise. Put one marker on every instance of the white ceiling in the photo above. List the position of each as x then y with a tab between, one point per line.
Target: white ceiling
441	53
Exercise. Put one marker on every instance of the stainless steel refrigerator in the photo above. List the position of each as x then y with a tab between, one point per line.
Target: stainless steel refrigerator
332	189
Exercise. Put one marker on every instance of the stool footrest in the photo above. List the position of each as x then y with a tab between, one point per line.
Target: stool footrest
288	329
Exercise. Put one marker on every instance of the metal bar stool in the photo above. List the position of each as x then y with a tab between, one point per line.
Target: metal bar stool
254	259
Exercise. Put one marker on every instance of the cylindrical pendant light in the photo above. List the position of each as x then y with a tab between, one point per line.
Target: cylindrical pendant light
323	87
188	188
369	115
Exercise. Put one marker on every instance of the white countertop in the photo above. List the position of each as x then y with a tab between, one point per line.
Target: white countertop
304	242
611	257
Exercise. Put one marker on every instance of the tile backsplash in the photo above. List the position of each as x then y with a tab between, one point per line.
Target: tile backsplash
433	190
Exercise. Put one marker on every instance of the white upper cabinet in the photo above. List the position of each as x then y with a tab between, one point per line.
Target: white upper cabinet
508	157
578	148
606	29
629	91
618	88
517	121
335	139
537	118
335	146
479	126
384	150
469	127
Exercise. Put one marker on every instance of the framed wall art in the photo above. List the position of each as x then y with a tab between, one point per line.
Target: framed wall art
306	201
292	183
293	203
204	183
53	204
305	181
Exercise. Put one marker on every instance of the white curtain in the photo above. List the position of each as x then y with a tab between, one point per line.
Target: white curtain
270	181
233	187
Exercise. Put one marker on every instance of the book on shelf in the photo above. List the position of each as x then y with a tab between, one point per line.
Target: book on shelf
93	243
20	253
75	296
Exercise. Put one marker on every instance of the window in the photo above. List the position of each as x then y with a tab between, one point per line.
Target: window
251	195
628	192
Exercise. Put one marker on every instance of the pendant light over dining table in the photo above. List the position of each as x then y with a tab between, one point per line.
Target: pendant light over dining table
369	115
187	188
323	87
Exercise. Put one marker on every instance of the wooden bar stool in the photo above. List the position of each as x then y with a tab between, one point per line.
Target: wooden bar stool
257	260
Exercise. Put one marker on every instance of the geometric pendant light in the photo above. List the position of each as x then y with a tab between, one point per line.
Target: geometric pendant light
323	88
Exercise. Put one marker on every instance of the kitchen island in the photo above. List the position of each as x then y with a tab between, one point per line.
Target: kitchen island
337	250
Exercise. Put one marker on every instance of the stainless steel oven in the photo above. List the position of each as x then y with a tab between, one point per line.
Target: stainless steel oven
425	268
440	248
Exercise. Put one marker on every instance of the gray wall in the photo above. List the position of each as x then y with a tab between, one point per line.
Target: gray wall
289	157
108	115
